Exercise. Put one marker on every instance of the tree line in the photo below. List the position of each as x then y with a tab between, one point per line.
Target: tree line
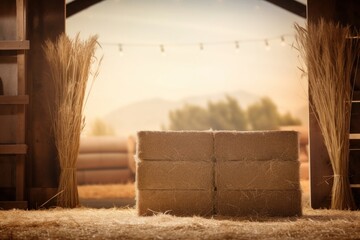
228	115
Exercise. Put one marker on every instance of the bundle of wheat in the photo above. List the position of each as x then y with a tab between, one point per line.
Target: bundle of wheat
330	56
70	63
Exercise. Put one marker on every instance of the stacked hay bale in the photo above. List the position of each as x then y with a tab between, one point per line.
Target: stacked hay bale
224	173
257	173
303	149
103	160
175	173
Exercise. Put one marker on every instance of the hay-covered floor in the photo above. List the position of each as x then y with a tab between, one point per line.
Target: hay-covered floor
117	223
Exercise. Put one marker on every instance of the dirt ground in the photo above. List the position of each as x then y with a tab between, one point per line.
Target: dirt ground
123	223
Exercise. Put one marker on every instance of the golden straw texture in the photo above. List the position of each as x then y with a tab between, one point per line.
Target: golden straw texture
330	56
70	63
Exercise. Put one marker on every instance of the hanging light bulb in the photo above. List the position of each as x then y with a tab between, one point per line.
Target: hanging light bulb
283	43
201	45
162	50
121	52
237	46
267	46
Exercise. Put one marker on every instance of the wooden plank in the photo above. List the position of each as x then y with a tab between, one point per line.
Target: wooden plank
355	118
20	20
14	45
79	5
320	168
14	100
7	205
354	166
356	96
13	149
20	177
42	197
354	144
45	20
292	6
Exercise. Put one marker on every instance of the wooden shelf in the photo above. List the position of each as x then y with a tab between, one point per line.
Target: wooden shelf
9	100
14	45
356	96
13	148
7	205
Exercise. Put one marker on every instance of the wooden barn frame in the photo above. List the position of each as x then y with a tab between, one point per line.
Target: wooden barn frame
29	170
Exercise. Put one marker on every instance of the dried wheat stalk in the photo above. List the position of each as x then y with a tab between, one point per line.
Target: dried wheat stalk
70	63
330	57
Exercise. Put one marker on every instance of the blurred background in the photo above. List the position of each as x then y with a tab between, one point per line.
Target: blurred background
184	64
166	59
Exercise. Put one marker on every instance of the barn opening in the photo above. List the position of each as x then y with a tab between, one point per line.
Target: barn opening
170	60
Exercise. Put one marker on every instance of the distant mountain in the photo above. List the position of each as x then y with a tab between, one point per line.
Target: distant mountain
151	114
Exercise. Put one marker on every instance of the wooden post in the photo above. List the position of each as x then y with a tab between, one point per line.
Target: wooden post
344	12
45	20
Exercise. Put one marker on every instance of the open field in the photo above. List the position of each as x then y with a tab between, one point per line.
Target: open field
123	223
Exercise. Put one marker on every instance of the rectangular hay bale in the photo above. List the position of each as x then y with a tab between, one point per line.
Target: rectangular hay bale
175	202
259	202
178	175
175	145
256	145
252	175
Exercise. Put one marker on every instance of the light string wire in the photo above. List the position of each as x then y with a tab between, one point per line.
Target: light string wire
201	44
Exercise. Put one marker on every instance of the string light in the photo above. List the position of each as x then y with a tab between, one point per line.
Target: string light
282	38
121	53
201	45
267	46
237	46
162	50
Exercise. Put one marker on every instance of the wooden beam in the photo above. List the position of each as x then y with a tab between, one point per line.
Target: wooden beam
14	45
292	6
13	149
77	6
13	100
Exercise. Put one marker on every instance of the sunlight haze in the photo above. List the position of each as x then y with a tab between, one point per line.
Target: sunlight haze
142	71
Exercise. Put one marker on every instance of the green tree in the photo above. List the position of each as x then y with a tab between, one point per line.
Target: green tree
189	117
264	115
288	120
222	115
100	128
227	115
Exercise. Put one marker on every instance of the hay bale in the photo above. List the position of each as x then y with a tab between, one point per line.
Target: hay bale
256	172
175	145
251	175
281	203
178	175
107	176
102	161
256	145
103	144
175	202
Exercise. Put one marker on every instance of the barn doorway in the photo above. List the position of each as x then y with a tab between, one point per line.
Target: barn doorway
159	56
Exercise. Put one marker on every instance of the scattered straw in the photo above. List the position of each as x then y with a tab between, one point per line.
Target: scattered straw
99	191
330	58
84	223
69	63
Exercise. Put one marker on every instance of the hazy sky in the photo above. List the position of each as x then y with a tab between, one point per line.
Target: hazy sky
141	71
